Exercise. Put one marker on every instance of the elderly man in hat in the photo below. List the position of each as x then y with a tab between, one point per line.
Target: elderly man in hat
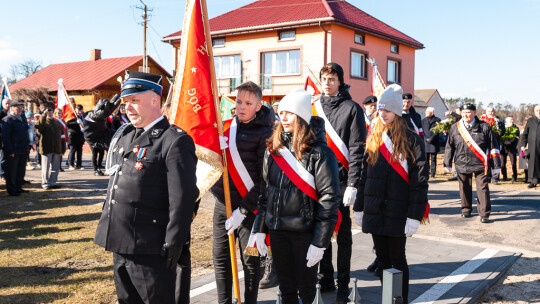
413	119
468	141
151	195
16	148
370	108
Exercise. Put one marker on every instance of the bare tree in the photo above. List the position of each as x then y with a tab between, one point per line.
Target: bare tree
24	69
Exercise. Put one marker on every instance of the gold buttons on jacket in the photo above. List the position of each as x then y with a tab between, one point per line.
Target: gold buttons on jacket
154	221
115	187
113	202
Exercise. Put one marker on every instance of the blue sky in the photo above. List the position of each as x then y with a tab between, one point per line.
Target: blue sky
488	50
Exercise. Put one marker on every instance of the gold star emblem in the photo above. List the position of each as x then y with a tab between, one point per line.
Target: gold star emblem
193	70
215	125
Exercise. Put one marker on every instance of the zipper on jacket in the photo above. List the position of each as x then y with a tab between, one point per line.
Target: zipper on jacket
278	201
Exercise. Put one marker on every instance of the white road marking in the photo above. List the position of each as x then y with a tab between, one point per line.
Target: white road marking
439	289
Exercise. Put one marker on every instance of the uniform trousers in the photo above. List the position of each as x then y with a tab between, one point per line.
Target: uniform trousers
390	253
344	251
289	251
143	279
75	151
50	165
222	258
482	193
504	153
183	276
432	163
97	157
14	171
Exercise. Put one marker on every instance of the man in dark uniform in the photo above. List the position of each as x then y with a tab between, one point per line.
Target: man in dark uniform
370	108
431	140
468	141
151	194
413	119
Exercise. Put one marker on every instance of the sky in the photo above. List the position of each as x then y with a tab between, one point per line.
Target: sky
483	49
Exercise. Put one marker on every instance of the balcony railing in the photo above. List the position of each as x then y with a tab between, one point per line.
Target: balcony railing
271	85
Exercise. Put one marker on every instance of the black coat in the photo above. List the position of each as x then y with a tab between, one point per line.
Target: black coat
531	137
431	140
117	121
251	143
97	133
15	135
415	117
75	134
284	207
146	208
511	147
464	158
347	118
386	199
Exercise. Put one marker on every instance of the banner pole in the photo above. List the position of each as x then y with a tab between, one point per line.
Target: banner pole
232	245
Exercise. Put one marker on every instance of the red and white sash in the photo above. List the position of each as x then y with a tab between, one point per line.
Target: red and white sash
237	170
469	141
124	119
367	121
387	148
296	172
63	136
333	140
418	131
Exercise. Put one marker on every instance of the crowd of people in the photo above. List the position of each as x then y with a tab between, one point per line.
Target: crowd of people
295	170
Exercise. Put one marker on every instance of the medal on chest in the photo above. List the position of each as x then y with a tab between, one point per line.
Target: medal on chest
141	152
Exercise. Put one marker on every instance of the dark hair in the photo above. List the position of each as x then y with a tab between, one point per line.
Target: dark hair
79	107
333	68
251	87
303	136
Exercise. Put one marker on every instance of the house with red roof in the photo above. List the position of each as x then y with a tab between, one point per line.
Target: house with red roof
278	43
89	81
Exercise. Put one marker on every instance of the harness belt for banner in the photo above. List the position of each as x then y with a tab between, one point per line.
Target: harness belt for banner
333	140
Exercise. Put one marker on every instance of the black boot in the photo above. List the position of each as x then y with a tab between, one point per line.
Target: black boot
269	278
327	283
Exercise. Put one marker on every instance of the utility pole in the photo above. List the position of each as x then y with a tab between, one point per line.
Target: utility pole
145	27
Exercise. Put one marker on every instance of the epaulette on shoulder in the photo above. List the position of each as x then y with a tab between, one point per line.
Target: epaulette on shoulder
177	130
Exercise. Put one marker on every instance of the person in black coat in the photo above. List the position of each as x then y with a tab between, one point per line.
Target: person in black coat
151	194
490	113
412	118
344	118
431	140
509	148
16	148
75	139
531	139
467	162
392	196
300	224
253	124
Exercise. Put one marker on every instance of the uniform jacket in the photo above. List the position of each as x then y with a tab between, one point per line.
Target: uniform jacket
464	158
251	143
386	199
49	131
431	140
284	207
146	208
347	118
14	135
75	134
415	117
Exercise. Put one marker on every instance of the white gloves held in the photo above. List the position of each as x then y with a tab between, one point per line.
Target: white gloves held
223	142
411	226
234	221
448	169
358	217
314	255
349	197
258	240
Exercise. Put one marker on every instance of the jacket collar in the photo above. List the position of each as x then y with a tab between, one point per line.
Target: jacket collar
145	139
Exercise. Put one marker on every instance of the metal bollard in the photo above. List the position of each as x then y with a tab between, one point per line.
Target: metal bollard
392	280
278	297
318	297
354	297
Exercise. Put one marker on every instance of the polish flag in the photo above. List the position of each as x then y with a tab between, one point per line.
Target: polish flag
62	102
377	82
312	87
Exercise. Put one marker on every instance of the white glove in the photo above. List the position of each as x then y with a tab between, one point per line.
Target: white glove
314	255
234	221
359	216
448	169
223	142
411	226
495	171
349	197
259	239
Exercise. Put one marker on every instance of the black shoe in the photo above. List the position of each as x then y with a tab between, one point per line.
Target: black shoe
327	284
269	278
452	179
23	191
98	173
514	180
484	220
55	187
466	215
432	175
373	266
342	296
531	185
26	182
61	170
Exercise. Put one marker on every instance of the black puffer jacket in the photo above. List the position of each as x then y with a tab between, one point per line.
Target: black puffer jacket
386	199
251	143
75	134
465	160
284	207
347	118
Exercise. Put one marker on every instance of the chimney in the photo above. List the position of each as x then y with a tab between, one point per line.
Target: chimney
95	54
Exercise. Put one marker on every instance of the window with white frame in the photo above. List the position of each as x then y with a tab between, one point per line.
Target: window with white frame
287	35
281	63
358	65
219	42
393	71
228	66
359	38
394	48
